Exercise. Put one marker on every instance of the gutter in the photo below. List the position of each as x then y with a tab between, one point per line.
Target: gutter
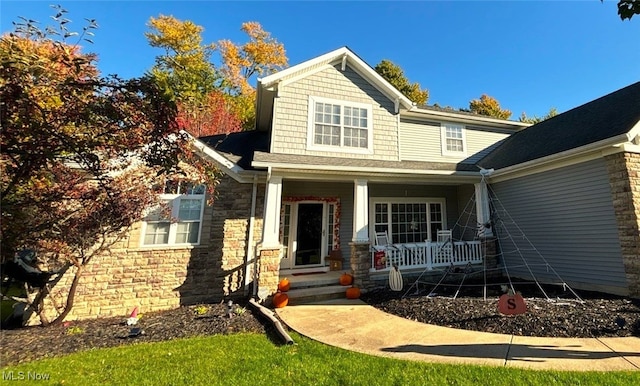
501	123
613	141
326	168
250	247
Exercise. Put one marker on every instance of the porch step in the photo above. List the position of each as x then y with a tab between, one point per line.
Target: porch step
316	293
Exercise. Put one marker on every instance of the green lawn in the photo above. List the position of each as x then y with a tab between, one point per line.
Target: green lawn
252	359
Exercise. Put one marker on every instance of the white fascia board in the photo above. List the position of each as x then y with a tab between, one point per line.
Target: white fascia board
228	167
634	132
337	168
502	123
338	56
565	158
272	79
387	178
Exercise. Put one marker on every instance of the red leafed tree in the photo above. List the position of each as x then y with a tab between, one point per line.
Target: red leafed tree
79	154
212	117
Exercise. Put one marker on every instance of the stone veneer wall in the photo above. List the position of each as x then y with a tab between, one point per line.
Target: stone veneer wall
361	265
269	270
624	179
163	278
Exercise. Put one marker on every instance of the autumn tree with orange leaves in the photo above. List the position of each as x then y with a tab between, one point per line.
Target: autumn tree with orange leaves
79	155
212	100
488	106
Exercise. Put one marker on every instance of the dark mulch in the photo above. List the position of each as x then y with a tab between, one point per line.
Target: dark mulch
27	344
558	315
599	316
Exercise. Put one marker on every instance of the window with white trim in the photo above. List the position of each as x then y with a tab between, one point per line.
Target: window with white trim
410	220
339	125
178	220
453	139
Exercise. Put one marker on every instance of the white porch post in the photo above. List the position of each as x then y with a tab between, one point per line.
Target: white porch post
482	209
360	212
273	201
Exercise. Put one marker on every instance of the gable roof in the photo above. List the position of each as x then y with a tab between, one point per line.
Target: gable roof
267	86
611	117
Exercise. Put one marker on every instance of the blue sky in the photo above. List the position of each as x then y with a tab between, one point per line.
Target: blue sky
530	55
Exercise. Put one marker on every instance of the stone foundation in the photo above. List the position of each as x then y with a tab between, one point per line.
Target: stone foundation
269	270
624	179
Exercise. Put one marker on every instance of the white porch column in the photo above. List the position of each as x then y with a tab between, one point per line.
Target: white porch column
272	204
482	210
360	212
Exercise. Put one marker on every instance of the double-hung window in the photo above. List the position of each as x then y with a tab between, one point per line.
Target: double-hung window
453	139
409	220
178	220
336	125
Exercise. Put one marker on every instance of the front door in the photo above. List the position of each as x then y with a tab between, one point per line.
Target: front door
304	235
309	235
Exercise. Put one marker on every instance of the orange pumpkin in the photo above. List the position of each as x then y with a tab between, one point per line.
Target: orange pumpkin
280	300
512	304
346	279
353	293
284	285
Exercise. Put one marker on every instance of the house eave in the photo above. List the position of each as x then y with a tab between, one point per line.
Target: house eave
343	56
417	112
579	154
228	167
306	171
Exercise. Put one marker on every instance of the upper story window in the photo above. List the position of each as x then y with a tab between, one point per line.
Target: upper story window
179	220
453	139
336	125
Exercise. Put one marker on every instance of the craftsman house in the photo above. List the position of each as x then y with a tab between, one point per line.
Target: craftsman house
341	163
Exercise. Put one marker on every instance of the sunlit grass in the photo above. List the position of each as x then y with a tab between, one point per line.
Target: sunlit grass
252	359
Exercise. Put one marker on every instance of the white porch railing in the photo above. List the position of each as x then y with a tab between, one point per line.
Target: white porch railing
427	255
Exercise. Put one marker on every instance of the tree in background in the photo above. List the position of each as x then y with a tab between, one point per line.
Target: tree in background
394	75
260	56
187	64
185	68
79	154
488	106
213	116
536	119
628	8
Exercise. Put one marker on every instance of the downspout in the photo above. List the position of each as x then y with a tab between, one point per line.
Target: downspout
250	245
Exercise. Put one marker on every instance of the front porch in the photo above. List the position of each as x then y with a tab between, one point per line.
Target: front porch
307	220
427	255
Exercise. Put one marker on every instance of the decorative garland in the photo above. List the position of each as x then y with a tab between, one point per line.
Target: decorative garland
329	200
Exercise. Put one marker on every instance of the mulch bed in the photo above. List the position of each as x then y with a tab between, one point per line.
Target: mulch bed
30	343
560	314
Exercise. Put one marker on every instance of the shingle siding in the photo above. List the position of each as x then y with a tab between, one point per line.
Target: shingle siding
568	216
291	113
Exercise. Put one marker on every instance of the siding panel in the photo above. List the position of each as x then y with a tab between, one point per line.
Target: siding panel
420	141
568	216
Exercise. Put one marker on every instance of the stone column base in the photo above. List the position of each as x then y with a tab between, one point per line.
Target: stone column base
360	265
268	270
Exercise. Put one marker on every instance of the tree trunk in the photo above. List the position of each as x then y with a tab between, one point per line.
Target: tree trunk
70	296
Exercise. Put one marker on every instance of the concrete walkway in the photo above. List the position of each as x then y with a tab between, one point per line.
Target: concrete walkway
356	326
